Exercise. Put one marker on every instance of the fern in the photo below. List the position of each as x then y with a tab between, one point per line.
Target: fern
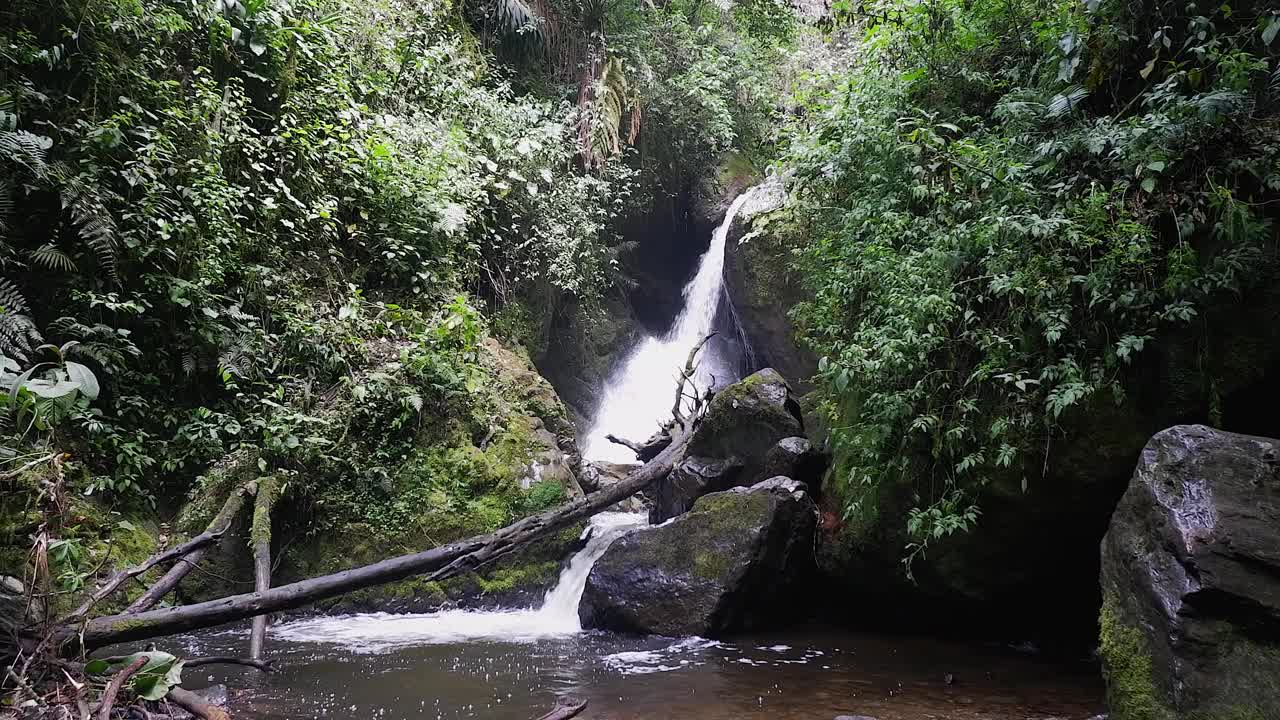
53	258
18	333
1067	101
94	224
27	149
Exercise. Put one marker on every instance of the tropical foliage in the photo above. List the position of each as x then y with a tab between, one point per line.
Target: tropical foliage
1006	203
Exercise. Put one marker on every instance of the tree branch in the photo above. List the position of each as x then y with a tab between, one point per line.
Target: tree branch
196	705
263	665
219	525
118	681
119	578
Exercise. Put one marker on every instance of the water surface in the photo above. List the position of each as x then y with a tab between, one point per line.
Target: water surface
380	666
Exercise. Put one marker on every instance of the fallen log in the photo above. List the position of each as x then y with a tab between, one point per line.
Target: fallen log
565	708
217	527
261	535
440	562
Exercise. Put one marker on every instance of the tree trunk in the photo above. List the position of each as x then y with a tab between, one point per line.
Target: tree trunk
218	526
442	562
261	534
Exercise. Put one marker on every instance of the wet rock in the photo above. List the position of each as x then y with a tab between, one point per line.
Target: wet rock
795	457
1191	580
731	563
688	481
746	419
13	610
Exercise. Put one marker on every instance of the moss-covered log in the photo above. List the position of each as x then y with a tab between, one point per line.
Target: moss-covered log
261	537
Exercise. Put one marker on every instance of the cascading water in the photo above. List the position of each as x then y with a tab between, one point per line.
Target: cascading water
638	399
558	616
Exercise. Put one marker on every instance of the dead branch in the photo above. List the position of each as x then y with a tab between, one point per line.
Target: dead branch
263	665
196	705
15	473
634	447
565	708
685	376
261	534
118	681
439	563
219	525
119	578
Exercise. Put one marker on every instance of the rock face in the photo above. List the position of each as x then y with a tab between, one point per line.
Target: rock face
726	565
1191	581
764	289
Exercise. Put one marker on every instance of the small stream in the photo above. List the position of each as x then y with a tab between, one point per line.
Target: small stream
513	664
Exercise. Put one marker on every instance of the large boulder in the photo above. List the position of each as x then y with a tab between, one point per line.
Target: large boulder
728	564
732	444
1191	581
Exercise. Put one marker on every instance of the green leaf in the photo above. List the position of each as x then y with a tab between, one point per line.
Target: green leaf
85	378
1156	166
1149	184
1272	29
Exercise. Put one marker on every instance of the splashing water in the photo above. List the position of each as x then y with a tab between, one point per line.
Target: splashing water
638	398
558	616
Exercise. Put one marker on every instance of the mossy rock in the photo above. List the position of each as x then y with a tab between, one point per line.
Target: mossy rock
729	564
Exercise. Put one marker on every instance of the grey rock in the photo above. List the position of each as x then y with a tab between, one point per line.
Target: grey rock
1191	579
795	457
692	478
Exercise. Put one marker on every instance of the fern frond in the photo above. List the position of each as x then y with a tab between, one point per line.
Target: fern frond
1066	101
53	258
18	333
94	224
27	149
1216	104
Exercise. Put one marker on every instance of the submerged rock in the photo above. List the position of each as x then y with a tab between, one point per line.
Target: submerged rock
1191	580
728	564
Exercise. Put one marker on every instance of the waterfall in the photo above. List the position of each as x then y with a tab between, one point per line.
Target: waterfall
557	617
637	399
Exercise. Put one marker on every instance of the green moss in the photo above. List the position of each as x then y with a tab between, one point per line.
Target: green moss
1131	687
260	532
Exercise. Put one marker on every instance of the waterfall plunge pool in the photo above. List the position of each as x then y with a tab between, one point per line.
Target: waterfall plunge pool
373	666
513	664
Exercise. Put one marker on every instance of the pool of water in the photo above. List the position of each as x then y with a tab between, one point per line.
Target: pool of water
479	665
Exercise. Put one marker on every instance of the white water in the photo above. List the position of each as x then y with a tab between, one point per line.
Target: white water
637	400
558	616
